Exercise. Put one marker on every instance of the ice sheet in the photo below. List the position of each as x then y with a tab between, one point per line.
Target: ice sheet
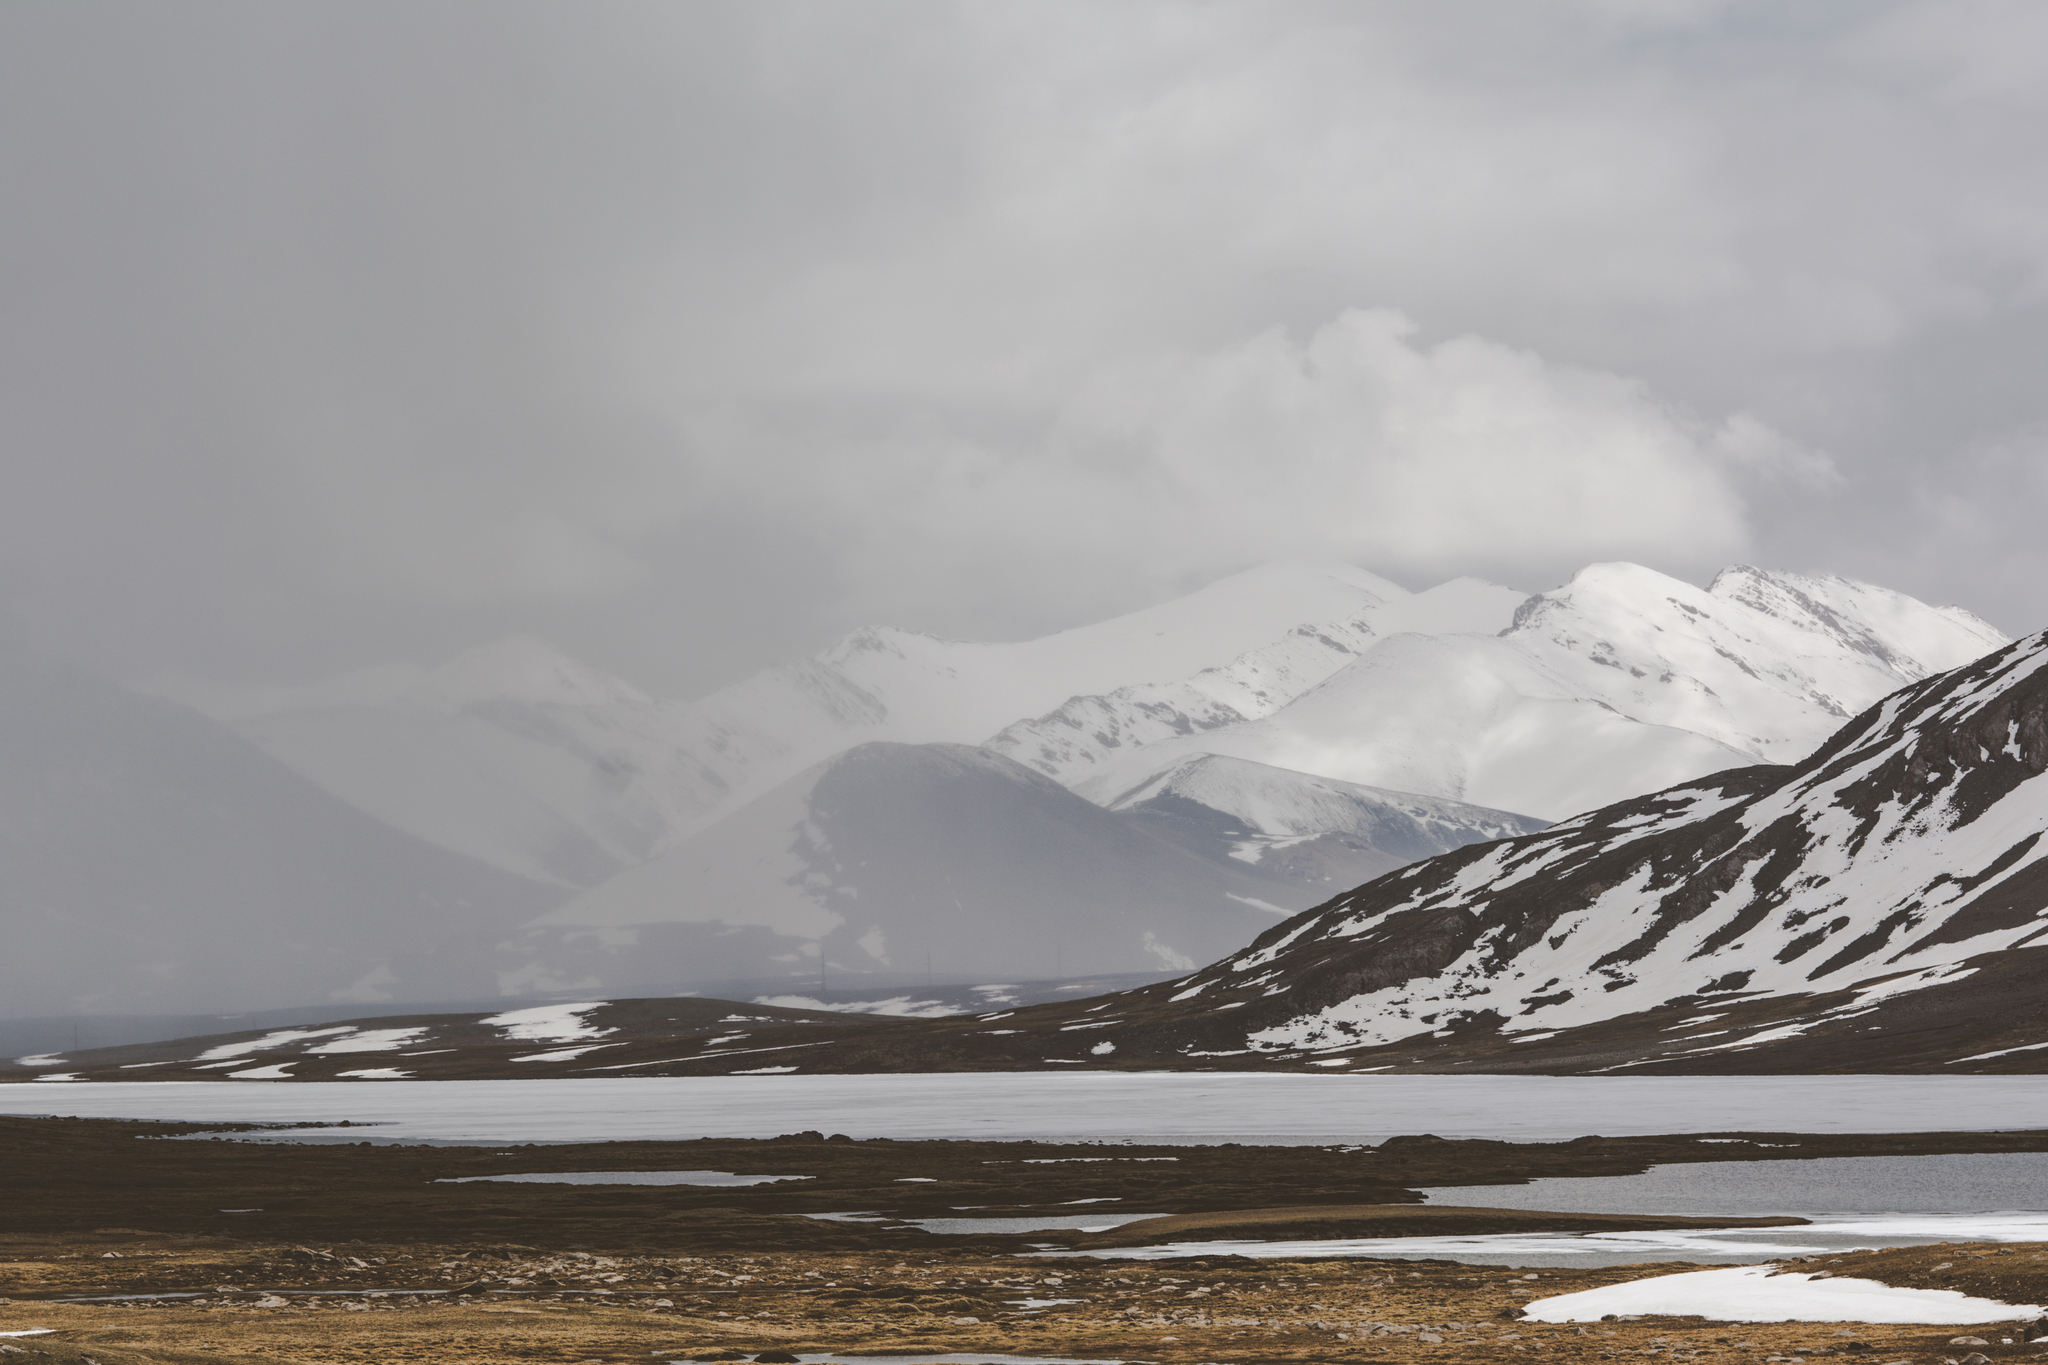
1270	1108
1753	1294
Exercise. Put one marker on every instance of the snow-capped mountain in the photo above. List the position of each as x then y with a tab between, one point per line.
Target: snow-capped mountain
1293	722
1087	733
1881	905
1620	682
151	860
894	858
523	757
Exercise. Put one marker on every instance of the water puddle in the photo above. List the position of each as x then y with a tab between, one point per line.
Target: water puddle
1060	1222
1823	1186
249	1296
974	1358
1736	1246
722	1178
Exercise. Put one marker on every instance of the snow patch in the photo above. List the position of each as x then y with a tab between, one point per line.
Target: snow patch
550	1023
370	1040
280	1038
896	1007
1763	1294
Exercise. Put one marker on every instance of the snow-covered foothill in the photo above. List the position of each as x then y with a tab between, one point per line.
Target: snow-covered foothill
1896	862
1763	1293
275	1039
369	1040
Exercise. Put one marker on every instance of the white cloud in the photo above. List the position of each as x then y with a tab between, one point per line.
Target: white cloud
1356	443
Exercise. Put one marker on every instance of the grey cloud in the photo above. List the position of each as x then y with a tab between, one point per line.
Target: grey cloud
688	335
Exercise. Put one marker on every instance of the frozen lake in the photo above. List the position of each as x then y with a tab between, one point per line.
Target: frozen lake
1173	1107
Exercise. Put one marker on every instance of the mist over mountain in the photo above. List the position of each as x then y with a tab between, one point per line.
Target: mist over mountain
522	756
1619	682
153	860
947	858
1153	791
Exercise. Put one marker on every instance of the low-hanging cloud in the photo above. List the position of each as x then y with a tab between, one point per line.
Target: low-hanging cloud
1357	442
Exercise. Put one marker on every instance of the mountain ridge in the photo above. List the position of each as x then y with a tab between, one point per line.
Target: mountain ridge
517	755
1654	680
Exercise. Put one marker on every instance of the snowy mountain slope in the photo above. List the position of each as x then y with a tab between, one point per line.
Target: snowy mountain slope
946	690
891	856
1766	909
1316	831
1766	663
152	860
451	1045
1083	737
1467	718
1620	682
519	755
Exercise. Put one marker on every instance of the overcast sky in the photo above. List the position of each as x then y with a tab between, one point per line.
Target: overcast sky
690	335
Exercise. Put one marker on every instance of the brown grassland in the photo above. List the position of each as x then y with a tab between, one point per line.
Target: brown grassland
339	1252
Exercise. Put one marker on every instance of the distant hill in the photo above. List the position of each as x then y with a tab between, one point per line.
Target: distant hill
153	861
890	857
